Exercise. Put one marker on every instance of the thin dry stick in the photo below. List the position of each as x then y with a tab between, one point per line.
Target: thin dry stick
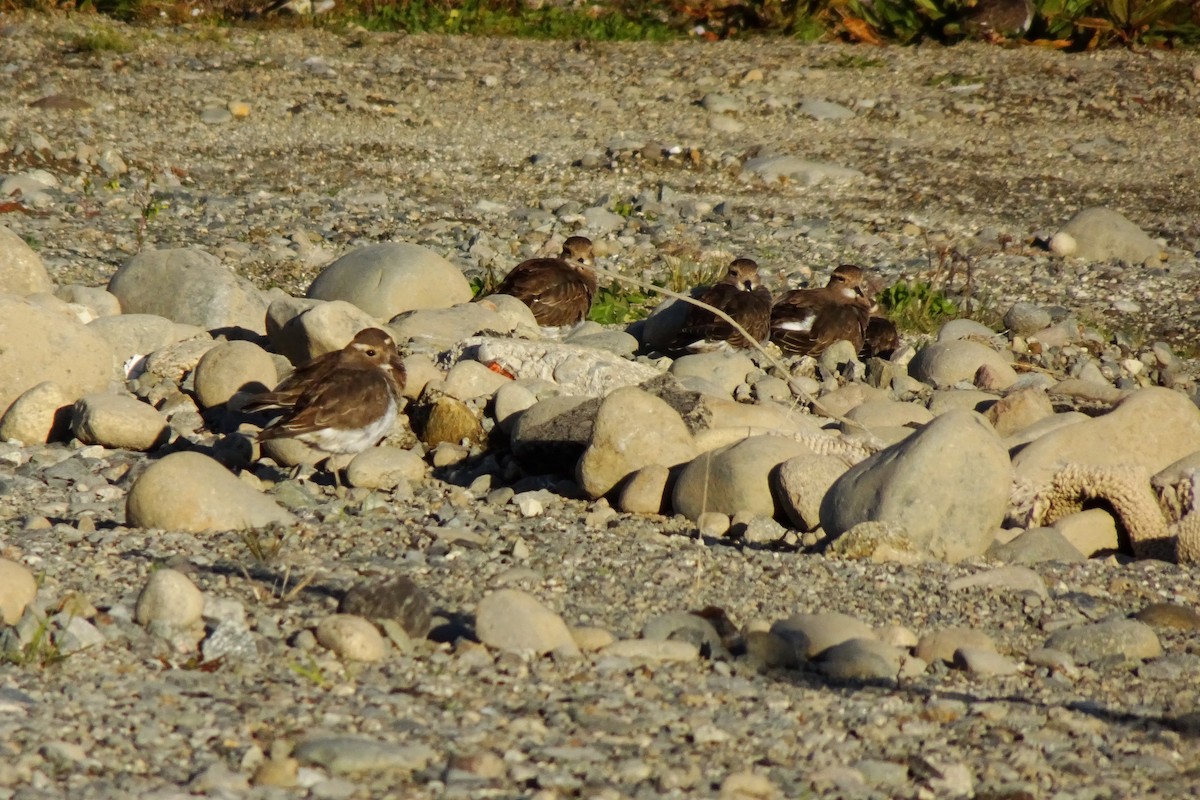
792	384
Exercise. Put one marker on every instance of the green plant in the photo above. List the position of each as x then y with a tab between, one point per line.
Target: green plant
684	275
614	305
263	546
624	208
916	306
1129	20
40	651
311	671
101	40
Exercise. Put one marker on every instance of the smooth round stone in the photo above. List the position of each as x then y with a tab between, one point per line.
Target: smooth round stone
726	370
590	639
420	371
169	597
514	621
685	627
821	110
860	660
320	329
646	490
940	645
1035	546
353	638
652	650
1026	318
385	468
617	342
1013	579
233	367
803	482
1127	638
840	401
389	278
1101	234
132	335
215	115
812	634
1017	411
439	328
657	332
964	328
118	421
468	380
41	346
552	434
41	414
983	661
632	429
1090	532
101	302
1170	615
21	269
878	541
451	421
17	590
188	491
509	401
768	651
798	171
399	599
944	400
950	362
344	755
734	478
190	286
888	414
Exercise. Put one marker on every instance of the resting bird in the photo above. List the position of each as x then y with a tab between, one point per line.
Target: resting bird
558	291
342	402
741	295
806	321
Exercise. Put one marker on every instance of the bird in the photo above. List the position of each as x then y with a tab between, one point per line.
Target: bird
880	337
558	291
343	402
741	295
806	321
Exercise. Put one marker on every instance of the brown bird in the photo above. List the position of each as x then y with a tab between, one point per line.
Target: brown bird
741	295
558	291
342	402
880	337
806	321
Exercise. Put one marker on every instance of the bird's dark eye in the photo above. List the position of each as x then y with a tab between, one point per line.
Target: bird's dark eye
371	351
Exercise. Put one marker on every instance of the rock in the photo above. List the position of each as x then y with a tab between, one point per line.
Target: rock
468	380
747	785
100	302
17	590
552	435
353	638
1125	638
41	346
230	368
1035	546
797	170
451	420
860	659
1016	441
652	650
1149	429
1168	615
983	661
21	269
944	400
821	110
658	331
1017	411
576	370
945	363
137	335
947	486
190	286
515	621
169	597
964	328
801	484
41	414
725	370
390	278
632	429
118	421
1016	579
316	329
1090	532
1025	318
591	639
734	478
877	541
385	468
188	491
1101	234
813	634
713	524
941	645
767	651
398	599
684	627
347	755
889	413
421	371
645	492
839	402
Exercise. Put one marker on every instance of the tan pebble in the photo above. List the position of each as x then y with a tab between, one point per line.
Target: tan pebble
351	637
239	108
591	639
1169	615
169	597
277	773
17	590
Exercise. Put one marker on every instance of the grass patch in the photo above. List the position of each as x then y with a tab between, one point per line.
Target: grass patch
616	305
490	18
916	306
40	651
100	40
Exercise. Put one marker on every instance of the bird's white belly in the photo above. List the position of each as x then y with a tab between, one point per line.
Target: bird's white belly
354	440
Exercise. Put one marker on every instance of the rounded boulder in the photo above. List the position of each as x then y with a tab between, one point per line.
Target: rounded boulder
389	278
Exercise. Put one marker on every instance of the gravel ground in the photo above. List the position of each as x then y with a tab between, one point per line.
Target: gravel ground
480	150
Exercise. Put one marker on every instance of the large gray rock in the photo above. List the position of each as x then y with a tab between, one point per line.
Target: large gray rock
188	285
576	370
233	367
552	435
316	330
723	369
118	421
797	170
21	269
41	346
1125	638
632	429
18	588
515	621
802	483
947	363
188	491
40	414
1150	429
947	485
390	278
441	327
1101	234
132	335
734	478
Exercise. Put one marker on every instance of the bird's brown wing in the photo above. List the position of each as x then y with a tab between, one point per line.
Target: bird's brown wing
345	399
554	292
702	324
836	323
880	338
288	391
792	321
751	310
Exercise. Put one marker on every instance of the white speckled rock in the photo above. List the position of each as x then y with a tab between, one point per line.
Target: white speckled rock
353	638
44	346
41	414
118	421
188	491
17	590
1101	234
191	286
171	598
947	485
515	621
947	363
576	370
633	429
385	467
734	478
21	269
389	278
233	367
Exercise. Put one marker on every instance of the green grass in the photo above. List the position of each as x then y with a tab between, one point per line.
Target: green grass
616	305
40	651
101	40
916	306
489	18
